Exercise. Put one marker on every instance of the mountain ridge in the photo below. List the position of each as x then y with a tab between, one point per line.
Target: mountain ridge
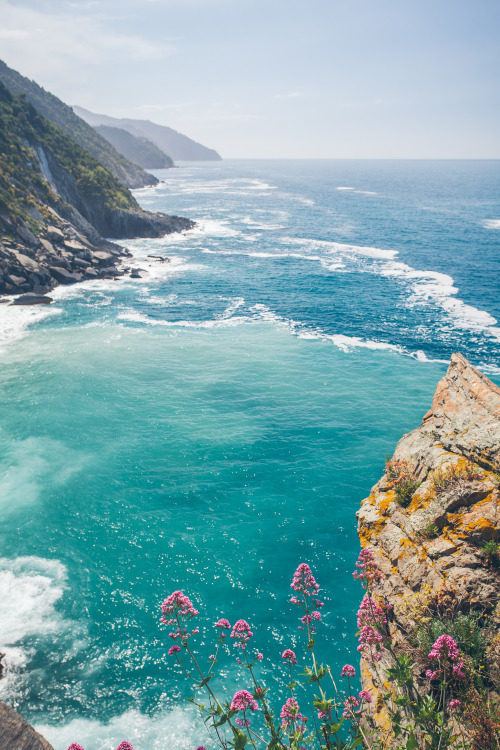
52	108
178	146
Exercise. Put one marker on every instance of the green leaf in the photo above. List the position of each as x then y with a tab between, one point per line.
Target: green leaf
311	644
335	727
240	741
412	743
205	681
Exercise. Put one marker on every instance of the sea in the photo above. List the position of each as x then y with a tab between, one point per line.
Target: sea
217	421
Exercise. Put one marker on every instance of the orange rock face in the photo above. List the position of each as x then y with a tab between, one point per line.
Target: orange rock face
435	536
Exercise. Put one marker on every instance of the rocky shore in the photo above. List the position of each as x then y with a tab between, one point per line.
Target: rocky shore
31	265
429	520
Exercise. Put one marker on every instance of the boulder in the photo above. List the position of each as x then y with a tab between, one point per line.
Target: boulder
17	734
63	276
27	235
54	234
134	273
32	299
103	258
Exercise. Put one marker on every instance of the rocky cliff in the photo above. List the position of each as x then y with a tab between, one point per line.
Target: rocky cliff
49	106
57	202
432	522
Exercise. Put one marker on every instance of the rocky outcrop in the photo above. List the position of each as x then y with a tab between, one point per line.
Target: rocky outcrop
17	734
428	519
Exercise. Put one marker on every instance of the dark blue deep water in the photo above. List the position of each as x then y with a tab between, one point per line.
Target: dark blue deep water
217	421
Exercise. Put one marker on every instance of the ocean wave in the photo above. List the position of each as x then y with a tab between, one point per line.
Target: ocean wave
30	588
177	728
491	224
15	320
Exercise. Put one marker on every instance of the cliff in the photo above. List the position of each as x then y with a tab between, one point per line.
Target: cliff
432	523
57	202
60	114
139	150
178	146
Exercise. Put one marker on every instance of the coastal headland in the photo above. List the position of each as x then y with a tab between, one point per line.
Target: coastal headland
432	523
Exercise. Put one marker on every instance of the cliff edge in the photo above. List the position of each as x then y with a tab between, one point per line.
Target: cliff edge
432	523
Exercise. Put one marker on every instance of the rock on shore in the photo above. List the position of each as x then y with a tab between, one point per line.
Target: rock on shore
438	538
17	734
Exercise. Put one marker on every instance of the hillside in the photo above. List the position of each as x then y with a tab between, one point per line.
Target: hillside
179	147
129	174
57	202
136	148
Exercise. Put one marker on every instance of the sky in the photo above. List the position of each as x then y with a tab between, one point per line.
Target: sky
276	78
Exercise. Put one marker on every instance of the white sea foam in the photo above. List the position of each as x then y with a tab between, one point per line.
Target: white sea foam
175	729
26	465
355	190
491	224
16	319
30	588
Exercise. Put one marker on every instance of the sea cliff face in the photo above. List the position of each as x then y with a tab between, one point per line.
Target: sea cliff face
428	519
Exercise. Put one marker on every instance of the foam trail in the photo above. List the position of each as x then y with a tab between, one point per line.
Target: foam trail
491	224
177	728
30	588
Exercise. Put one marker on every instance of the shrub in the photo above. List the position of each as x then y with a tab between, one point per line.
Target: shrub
402	479
491	551
453	476
431	531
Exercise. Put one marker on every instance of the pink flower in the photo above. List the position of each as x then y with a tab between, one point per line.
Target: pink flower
125	746
322	715
211	657
180	608
370	613
241	632
223	623
350	705
348	671
201	747
173	649
75	746
368	572
177	604
290	712
364	697
242	722
242	701
260	656
433	675
316	615
446	648
288	655
455	703
303	581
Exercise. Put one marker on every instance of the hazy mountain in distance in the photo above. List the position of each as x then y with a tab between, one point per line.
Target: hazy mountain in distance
48	105
179	147
138	149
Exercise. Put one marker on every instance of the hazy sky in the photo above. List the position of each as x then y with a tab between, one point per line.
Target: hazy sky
276	78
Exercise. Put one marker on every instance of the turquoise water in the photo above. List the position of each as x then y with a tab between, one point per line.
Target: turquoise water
218	421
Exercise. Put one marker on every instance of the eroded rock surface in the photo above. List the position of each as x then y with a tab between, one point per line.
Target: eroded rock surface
437	540
17	734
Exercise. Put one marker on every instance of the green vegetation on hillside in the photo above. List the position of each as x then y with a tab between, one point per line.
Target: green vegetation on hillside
52	108
22	131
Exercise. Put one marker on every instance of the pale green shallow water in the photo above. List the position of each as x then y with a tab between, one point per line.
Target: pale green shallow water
213	461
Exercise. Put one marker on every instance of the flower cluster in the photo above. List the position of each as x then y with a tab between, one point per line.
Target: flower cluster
371	617
175	609
289	656
350	706
122	746
303	582
174	649
290	713
243	701
241	633
445	648
348	671
367	569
